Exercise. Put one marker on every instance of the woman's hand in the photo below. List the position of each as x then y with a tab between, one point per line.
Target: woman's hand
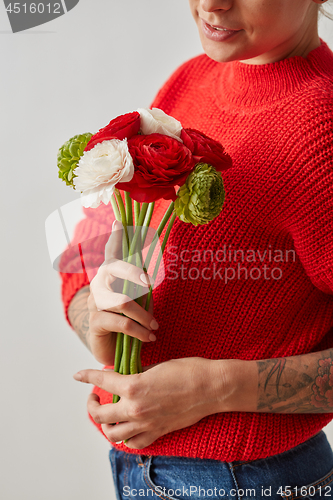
110	311
165	397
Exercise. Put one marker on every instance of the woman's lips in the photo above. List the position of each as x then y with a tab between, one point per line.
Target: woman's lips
217	33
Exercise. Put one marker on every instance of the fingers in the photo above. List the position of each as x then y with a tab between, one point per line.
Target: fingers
103	414
113	247
105	297
109	380
138	322
118	268
120	432
141	328
109	272
109	414
106	300
126	271
142	440
132	425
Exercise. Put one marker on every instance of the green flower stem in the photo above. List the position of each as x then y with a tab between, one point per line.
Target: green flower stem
135	344
140	217
119	351
135	362
134	356
125	247
134	241
128	349
129	215
139	358
147	220
129	212
122	213
135	359
137	209
159	258
115	397
115	208
165	218
126	354
118	361
165	239
159	232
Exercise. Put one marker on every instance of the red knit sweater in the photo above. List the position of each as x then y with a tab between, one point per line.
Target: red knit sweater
257	282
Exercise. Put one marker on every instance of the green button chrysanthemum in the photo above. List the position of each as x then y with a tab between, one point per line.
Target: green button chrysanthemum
69	155
201	198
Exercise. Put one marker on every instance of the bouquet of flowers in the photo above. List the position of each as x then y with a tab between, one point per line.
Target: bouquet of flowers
146	154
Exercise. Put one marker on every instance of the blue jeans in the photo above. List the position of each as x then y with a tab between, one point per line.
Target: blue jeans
303	472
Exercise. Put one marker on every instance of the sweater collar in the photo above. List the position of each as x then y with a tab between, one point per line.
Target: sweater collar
250	85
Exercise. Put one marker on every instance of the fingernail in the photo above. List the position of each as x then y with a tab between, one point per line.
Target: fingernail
152	337
77	377
118	442
154	325
114	224
145	280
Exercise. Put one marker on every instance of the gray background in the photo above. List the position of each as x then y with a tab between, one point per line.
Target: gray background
74	74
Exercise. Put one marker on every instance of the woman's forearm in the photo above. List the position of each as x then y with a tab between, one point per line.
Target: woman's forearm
78	314
295	384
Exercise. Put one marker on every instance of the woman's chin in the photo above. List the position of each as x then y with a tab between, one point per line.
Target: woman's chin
222	55
224	51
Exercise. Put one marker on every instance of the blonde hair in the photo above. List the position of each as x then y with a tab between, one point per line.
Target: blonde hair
324	12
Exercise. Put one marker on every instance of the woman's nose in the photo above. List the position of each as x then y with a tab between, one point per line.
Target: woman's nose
213	5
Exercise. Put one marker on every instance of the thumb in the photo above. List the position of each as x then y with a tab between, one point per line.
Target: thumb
113	247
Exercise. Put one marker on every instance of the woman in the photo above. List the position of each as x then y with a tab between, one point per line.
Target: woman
239	378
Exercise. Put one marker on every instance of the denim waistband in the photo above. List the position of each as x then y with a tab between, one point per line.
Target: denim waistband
302	472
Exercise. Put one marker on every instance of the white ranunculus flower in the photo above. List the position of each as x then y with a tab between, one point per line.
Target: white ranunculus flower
99	169
155	121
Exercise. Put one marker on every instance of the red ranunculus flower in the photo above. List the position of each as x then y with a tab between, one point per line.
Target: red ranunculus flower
160	163
206	150
124	126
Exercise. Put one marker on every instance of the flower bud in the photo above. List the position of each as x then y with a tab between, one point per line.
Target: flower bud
69	155
201	198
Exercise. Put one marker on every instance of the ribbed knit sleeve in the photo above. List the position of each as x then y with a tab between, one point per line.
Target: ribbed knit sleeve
309	210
